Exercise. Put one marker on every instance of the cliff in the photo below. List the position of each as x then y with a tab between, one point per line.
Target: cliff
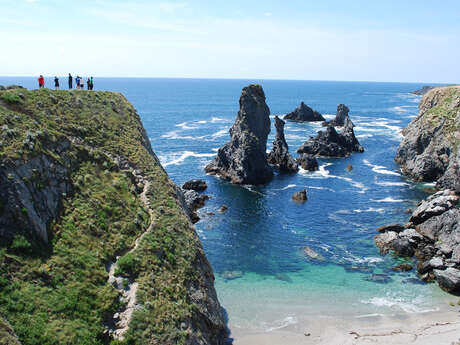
430	149
95	245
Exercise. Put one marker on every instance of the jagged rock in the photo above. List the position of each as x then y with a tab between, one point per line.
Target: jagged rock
403	247
449	280
332	144
300	196
280	156
423	90
340	117
435	205
196	185
304	114
429	151
194	201
385	240
308	162
392	227
243	160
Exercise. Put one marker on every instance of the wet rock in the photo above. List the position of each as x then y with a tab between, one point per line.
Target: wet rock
340	116
436	263
403	247
196	185
308	162
280	156
379	278
194	200
434	205
329	143
283	277
392	227
222	209
358	268
304	114
243	160
310	253
230	275
402	268
300	196
385	240
449	280
414	281
349	167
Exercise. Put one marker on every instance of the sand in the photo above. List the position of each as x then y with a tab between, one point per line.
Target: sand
433	328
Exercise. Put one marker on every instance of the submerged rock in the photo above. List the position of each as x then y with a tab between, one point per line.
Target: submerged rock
402	268
300	196
310	253
280	156
243	160
308	162
230	275
196	185
222	209
304	114
329	143
379	278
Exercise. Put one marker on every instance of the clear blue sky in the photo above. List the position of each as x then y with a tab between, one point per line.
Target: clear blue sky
292	39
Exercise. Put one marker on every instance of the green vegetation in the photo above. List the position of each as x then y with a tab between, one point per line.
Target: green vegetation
60	295
11	98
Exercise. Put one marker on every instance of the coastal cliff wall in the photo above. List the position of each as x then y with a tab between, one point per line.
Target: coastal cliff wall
430	149
95	244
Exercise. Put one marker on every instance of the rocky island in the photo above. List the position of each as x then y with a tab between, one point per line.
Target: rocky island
243	160
429	152
95	243
280	156
304	113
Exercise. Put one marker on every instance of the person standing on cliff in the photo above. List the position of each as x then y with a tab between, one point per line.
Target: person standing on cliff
41	82
56	83
92	83
70	81
88	84
77	82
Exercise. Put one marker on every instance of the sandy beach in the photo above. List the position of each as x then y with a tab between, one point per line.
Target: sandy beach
422	329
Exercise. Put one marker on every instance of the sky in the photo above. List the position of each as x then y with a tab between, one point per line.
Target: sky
355	40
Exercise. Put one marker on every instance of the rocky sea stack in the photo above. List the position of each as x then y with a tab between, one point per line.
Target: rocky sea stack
243	160
304	114
329	143
280	156
340	116
430	151
94	236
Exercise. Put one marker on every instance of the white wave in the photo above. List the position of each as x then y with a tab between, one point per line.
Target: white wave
294	137
399	303
175	135
379	169
365	260
185	155
388	199
250	188
288	186
362	136
220	133
369	315
202	122
370	209
321	188
391	184
323	173
279	324
218	119
329	116
184	125
215	149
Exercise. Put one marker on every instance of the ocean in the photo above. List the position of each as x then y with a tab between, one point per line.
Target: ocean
263	279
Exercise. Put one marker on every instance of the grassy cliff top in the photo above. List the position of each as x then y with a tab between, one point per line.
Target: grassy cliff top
58	294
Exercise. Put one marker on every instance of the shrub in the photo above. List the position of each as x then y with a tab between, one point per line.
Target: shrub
11	98
126	265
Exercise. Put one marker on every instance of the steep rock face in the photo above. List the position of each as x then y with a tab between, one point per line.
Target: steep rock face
280	156
340	116
303	113
429	150
81	189
424	90
329	143
243	160
308	162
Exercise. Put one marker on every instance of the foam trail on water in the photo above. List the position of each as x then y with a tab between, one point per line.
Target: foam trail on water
388	199
323	173
379	169
289	320
185	155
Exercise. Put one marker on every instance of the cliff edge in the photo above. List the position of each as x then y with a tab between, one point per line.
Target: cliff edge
430	151
95	244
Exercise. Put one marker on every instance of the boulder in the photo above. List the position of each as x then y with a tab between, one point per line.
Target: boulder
196	185
392	227
402	268
379	278
449	280
243	160
304	114
280	156
436	204
309	252
308	162
329	143
194	201
385	240
300	196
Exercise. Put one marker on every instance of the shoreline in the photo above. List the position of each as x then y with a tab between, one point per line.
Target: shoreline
438	327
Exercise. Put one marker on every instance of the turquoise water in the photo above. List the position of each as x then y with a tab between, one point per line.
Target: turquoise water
259	240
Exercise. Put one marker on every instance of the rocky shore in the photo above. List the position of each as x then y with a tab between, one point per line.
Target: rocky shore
429	152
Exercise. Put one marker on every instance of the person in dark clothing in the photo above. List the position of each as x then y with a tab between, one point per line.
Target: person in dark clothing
41	82
77	82
88	84
92	83
56	83
70	81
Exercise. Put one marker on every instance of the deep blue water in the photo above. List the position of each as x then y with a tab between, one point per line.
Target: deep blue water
261	236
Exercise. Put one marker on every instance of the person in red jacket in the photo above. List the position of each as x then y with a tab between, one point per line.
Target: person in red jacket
41	82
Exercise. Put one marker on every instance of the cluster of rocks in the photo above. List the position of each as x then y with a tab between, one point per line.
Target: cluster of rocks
331	143
304	113
193	199
432	236
425	89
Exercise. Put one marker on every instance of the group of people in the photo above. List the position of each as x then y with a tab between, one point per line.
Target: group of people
79	83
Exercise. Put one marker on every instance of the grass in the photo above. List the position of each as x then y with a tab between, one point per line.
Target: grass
59	294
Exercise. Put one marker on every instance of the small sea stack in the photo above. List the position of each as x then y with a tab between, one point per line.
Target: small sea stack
280	156
340	117
303	113
243	160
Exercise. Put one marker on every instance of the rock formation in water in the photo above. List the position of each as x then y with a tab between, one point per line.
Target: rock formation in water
196	185
93	233
194	201
329	143
300	196
433	236
430	149
340	117
423	90
308	162
304	113
243	160
280	156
